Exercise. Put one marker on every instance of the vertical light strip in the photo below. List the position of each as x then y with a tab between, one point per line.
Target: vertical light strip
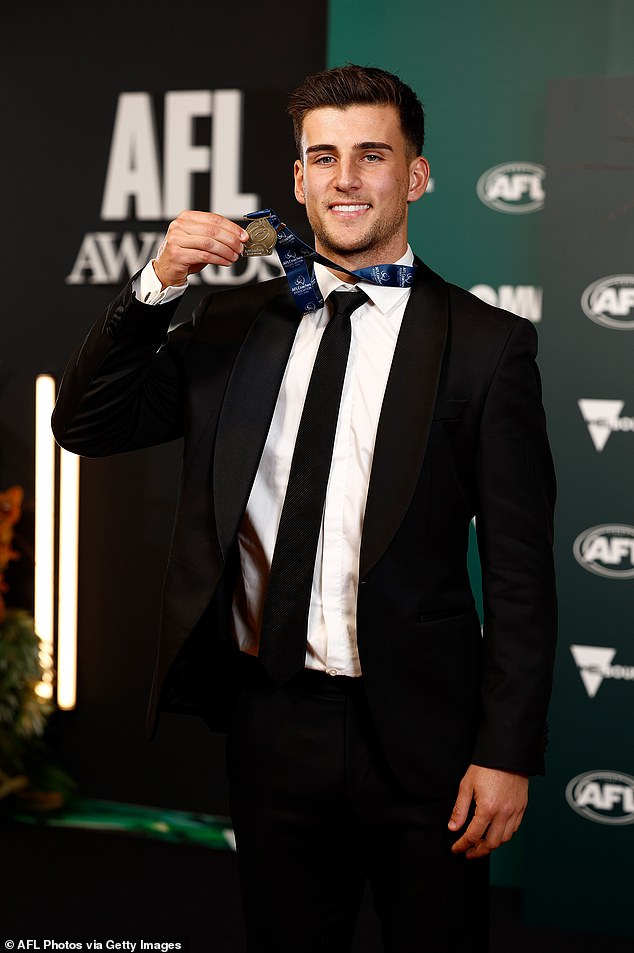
68	580
45	529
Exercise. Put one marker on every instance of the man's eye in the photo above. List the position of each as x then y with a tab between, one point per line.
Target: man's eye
372	157
324	160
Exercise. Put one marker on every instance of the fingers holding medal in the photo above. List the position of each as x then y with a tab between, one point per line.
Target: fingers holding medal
196	239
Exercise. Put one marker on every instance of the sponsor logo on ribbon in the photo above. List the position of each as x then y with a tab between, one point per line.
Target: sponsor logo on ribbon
301	286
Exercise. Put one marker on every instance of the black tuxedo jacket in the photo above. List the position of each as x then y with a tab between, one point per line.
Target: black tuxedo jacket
461	434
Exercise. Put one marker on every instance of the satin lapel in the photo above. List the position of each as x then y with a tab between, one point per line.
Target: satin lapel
247	410
406	415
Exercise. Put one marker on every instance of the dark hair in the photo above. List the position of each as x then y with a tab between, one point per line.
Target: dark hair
352	85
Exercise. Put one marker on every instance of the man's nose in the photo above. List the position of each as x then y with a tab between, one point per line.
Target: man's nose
348	175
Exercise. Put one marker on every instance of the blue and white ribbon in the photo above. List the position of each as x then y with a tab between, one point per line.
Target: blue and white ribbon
297	259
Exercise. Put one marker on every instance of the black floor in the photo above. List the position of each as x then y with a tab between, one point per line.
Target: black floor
70	884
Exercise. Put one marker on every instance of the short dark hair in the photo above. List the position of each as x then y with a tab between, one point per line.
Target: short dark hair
352	85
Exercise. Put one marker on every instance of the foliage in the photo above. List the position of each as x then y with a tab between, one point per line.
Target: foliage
22	711
26	766
10	512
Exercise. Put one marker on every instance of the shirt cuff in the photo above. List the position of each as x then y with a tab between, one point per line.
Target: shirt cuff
147	288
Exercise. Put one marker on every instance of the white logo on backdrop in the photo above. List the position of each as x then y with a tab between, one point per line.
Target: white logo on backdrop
606	797
603	418
610	302
595	664
606	550
513	187
525	300
150	181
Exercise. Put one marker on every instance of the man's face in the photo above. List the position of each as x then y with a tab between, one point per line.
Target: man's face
356	178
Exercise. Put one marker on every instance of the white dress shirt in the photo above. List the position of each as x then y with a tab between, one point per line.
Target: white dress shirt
332	638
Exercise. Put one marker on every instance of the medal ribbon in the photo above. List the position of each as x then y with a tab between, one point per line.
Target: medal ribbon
297	259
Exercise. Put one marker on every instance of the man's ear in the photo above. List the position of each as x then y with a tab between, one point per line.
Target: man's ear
298	172
418	178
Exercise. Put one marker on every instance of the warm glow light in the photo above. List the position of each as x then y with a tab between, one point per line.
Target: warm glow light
45	528
68	578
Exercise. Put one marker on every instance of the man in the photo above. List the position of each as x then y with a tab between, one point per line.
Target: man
397	744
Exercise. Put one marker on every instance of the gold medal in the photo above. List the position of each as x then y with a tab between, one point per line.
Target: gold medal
262	238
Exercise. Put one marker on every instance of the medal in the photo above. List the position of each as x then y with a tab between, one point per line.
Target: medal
262	238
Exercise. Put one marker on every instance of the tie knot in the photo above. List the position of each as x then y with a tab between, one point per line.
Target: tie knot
345	302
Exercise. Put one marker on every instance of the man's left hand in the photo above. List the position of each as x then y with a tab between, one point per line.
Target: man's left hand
500	801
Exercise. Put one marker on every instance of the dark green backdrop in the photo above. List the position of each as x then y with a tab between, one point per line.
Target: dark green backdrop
483	71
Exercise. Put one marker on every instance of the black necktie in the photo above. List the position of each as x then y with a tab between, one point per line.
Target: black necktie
285	615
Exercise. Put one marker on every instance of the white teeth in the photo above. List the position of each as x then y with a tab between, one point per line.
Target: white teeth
349	208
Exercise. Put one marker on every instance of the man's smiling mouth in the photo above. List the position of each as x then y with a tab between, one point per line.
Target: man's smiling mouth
349	208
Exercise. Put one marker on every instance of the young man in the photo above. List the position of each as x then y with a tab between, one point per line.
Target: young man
321	578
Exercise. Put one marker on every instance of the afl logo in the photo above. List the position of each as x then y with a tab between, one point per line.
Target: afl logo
610	302
606	797
606	551
513	187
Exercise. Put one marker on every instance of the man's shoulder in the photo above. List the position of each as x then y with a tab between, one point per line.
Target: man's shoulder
240	303
481	310
224	318
473	314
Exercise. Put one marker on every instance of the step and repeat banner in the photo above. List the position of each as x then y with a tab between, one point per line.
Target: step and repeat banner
583	819
532	208
117	125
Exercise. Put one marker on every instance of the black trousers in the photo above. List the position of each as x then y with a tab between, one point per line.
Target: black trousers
316	813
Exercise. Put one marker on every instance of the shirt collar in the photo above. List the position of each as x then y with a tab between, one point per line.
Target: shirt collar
384	297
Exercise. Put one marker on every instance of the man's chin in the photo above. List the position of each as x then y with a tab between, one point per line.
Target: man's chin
348	248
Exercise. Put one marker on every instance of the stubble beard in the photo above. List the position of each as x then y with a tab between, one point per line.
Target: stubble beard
367	245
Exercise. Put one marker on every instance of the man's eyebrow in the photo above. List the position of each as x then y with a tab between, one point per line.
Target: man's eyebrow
374	145
359	146
321	147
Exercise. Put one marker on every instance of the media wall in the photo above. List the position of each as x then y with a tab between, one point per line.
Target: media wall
530	114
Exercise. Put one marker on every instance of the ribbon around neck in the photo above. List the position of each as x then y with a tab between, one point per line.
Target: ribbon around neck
297	259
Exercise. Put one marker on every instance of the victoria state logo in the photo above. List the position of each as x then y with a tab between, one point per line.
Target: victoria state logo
513	187
595	664
606	551
606	797
610	302
603	418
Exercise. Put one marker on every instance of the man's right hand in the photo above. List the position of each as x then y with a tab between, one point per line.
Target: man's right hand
196	239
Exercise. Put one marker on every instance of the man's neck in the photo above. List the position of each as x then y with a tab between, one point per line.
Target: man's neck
343	276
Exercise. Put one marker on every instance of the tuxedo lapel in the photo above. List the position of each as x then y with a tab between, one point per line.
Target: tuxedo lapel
247	410
406	414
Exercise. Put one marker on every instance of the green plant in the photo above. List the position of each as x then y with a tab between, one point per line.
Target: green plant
26	767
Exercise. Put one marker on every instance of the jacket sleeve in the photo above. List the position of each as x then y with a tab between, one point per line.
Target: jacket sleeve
514	524
121	389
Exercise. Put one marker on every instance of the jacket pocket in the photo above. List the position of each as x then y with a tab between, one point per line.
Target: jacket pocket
449	619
